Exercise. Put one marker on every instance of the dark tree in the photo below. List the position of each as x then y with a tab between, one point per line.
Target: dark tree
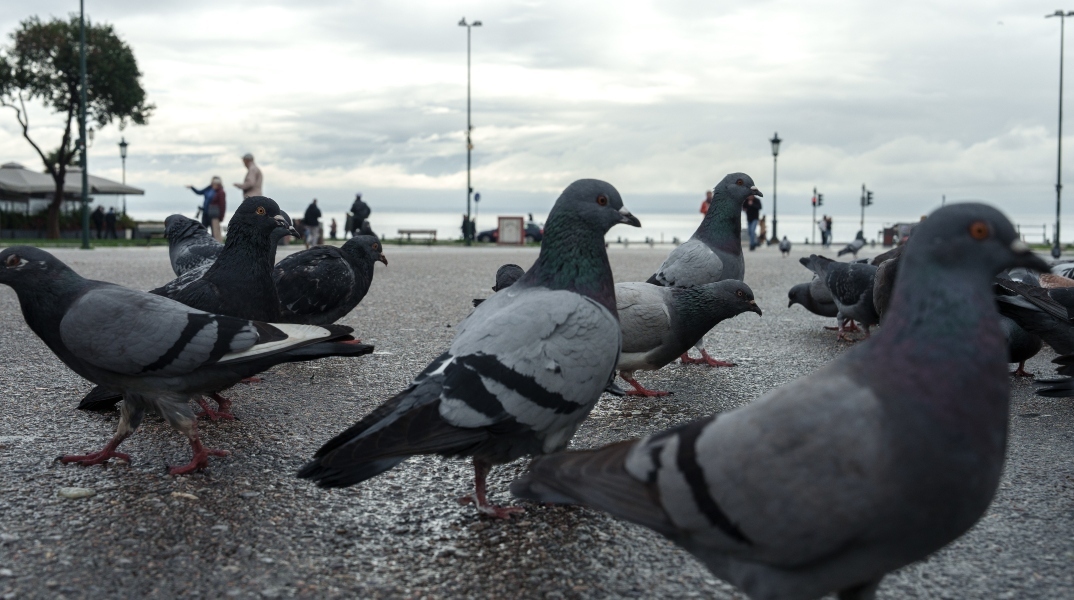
42	64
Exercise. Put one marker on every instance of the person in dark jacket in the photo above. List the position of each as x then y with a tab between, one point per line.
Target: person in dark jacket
360	211
752	206
312	222
217	209
207	200
98	220
110	224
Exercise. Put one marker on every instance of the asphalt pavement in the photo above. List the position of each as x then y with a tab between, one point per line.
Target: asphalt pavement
247	528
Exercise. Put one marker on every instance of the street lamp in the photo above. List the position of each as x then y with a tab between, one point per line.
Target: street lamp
1056	250
123	155
469	145
775	141
82	122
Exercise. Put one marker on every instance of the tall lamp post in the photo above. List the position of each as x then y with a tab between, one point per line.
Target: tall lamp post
123	155
82	122
1056	250
775	141
469	233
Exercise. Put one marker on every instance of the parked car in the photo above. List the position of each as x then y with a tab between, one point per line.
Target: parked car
534	233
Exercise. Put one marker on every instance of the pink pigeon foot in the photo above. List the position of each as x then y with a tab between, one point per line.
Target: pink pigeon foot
639	389
96	458
200	460
479	499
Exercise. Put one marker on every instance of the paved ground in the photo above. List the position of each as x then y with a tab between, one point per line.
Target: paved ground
248	528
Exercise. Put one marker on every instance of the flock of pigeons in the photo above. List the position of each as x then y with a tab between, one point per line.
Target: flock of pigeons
823	485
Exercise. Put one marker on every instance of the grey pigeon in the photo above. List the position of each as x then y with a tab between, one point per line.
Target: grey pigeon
714	252
190	245
881	457
1042	312
160	353
1021	345
506	276
525	368
855	246
321	285
1061	387
884	281
802	294
660	323
851	286
784	246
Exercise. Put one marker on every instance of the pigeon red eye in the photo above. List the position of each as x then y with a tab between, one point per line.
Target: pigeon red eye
739	182
260	210
376	246
13	260
602	200
979	230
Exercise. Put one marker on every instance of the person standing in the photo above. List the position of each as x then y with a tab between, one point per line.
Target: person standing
312	222
828	226
332	230
752	206
207	199
251	186
822	225
361	212
98	220
706	202
110	224
217	208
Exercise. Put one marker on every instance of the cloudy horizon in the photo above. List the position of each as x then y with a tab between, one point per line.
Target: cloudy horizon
918	100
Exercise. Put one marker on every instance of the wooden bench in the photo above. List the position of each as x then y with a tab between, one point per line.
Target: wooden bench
148	230
431	233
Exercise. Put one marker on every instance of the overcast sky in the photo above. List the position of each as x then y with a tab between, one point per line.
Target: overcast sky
914	98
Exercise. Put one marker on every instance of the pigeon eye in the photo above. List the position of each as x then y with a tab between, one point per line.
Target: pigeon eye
739	182
13	261
260	210
979	230
602	200
376	246
740	294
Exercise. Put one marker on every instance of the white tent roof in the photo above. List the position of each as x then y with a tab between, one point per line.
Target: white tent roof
17	179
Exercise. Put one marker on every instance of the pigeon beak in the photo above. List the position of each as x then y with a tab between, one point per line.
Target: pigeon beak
382	259
1024	257
756	192
282	222
626	217
757	309
790	303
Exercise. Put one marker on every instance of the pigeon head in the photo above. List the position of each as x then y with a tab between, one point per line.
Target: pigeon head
590	204
971	236
799	294
735	188
177	227
367	248
262	215
22	267
507	275
734	295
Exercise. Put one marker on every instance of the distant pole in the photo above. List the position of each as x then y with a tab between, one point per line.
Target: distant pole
123	155
82	122
775	141
814	227
862	226
469	127
1056	248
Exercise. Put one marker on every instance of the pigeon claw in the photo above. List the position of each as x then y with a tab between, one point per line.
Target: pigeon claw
250	380
223	409
704	360
1021	370
639	389
99	457
199	461
491	510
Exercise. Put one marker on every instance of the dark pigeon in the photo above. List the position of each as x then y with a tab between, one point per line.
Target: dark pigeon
1021	345
851	286
160	353
818	304
884	281
1060	387
321	285
506	276
784	247
525	368
714	252
661	323
855	246
838	478
1042	312
190	245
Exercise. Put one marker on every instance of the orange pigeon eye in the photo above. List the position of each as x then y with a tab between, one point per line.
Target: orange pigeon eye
260	210
979	230
13	260
602	200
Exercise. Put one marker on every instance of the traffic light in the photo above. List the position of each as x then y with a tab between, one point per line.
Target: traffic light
868	198
820	199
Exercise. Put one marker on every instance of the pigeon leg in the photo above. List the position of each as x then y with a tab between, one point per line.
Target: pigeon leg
223	408
639	389
843	332
704	360
250	380
1019	372
852	326
200	460
481	471
102	456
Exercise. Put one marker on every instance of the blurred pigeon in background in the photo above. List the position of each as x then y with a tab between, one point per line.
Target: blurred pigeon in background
506	276
524	370
855	246
784	246
321	285
838	478
851	287
190	245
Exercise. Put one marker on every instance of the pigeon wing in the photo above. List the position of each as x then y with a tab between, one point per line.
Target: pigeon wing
313	283
692	263
643	315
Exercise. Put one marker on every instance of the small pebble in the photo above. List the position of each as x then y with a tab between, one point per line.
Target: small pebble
73	493
184	495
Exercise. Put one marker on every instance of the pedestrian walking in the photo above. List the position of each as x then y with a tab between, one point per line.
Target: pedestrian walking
251	186
207	199
361	212
706	202
752	207
216	210
332	230
312	222
831	233
822	226
110	224
98	220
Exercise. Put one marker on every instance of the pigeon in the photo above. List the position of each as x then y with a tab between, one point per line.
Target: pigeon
714	252
851	286
524	370
320	285
884	281
1051	280
784	247
818	304
160	353
1042	312
660	323
1064	269
883	456
190	245
1060	387
506	276
857	244
1021	345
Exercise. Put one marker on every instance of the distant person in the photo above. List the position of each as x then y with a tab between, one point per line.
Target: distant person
361	212
706	202
752	207
312	222
831	233
207	200
98	220
822	225
110	224
467	229
251	186
217	208
332	230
